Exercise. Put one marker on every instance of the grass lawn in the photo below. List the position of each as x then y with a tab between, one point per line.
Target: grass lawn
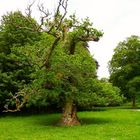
110	124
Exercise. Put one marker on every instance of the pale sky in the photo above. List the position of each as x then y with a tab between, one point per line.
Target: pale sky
118	19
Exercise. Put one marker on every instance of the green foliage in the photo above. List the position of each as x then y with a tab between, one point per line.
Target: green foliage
125	65
38	95
15	30
15	72
52	86
15	67
99	93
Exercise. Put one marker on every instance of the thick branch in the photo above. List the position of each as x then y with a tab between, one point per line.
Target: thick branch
18	104
47	64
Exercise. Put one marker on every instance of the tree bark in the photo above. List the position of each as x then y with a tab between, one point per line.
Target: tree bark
69	115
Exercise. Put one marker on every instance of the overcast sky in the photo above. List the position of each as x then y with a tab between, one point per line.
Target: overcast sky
118	19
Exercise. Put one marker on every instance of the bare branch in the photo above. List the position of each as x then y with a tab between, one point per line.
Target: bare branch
28	9
42	10
28	18
64	5
58	9
57	24
45	13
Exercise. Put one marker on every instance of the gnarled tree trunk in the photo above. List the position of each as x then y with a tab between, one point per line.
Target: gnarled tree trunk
69	115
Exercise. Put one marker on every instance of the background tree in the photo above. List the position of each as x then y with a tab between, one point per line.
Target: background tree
134	89
15	69
100	94
125	65
17	30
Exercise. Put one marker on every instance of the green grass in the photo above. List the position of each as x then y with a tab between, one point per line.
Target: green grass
110	124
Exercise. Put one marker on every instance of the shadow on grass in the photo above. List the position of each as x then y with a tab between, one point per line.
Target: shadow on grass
92	121
49	121
84	121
